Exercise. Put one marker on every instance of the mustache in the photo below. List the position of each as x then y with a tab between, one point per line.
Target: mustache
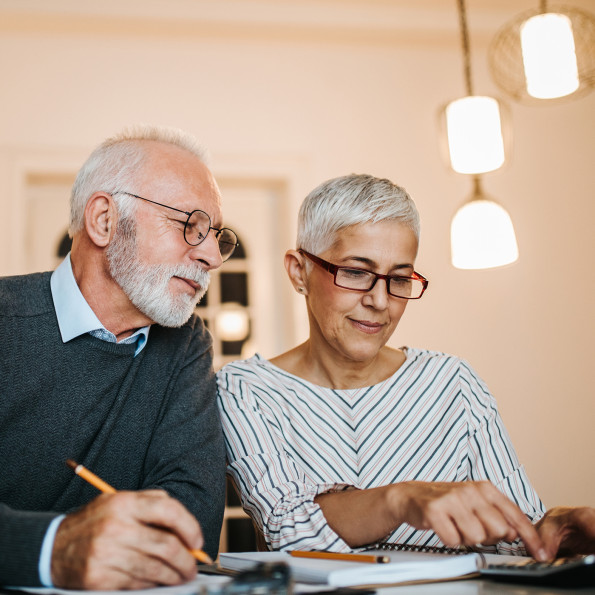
196	274
193	273
165	272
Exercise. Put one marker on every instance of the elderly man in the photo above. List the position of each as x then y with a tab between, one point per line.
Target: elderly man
104	362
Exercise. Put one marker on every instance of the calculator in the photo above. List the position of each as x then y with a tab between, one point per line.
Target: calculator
563	572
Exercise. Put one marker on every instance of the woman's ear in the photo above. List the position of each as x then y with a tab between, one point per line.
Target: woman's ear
100	218
295	265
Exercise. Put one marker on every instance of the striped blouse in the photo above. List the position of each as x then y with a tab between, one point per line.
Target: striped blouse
289	440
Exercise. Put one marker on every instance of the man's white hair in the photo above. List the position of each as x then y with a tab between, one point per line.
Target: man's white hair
114	165
350	200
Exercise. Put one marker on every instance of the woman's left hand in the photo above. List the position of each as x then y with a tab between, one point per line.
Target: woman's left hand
568	531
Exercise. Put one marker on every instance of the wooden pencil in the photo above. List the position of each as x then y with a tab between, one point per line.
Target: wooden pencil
366	558
106	488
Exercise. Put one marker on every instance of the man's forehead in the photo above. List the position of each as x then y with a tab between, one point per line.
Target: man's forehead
179	176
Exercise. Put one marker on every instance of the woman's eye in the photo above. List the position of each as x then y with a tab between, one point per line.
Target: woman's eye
355	273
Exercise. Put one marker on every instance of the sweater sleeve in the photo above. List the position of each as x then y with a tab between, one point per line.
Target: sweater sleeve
491	454
21	536
274	489
186	456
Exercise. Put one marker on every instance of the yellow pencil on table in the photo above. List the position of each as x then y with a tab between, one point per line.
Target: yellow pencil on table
366	558
106	488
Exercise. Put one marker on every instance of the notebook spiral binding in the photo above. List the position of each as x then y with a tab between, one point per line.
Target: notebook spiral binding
433	549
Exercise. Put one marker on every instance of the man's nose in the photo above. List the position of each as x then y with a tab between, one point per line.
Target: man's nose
207	252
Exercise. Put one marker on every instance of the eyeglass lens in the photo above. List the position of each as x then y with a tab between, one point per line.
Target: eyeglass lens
199	225
363	281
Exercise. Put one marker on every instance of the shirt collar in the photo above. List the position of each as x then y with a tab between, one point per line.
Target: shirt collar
75	316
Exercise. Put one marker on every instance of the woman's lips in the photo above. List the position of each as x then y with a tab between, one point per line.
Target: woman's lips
366	326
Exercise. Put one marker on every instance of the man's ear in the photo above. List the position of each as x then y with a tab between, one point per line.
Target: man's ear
295	265
101	216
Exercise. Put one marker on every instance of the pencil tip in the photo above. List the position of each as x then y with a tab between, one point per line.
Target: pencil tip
71	463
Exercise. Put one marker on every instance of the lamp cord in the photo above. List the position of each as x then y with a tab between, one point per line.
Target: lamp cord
466	50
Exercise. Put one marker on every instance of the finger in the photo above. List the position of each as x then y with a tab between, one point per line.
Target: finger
479	517
107	580
470	530
160	570
168	559
495	525
551	536
448	532
107	538
476	519
160	510
145	552
113	563
525	529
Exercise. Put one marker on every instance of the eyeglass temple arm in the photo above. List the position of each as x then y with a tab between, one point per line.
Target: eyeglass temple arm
151	201
327	266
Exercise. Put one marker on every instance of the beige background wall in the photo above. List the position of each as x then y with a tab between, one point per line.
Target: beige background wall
295	92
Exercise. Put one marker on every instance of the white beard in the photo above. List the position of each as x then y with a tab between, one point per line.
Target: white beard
147	286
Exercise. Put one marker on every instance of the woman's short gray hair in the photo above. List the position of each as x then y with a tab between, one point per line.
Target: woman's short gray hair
350	200
114	165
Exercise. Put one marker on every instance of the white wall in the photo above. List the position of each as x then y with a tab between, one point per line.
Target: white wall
301	100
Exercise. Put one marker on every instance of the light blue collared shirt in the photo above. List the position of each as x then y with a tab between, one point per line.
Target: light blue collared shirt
74	314
75	318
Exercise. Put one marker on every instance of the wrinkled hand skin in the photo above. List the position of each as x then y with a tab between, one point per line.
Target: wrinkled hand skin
568	531
127	540
469	513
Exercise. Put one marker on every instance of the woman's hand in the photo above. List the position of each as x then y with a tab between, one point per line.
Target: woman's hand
568	531
460	513
465	513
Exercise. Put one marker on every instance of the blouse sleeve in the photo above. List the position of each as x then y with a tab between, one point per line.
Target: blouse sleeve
274	489
492	456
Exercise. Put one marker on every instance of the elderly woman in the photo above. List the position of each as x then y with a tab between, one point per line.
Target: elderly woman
344	442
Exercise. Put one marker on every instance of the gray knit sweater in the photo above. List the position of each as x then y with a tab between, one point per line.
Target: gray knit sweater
138	422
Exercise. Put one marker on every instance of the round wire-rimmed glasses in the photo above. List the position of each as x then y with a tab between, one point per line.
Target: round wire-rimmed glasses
356	279
197	227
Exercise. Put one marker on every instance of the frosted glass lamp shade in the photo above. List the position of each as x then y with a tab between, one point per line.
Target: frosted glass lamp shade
474	131
482	236
549	56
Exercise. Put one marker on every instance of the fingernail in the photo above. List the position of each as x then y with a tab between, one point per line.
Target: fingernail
542	555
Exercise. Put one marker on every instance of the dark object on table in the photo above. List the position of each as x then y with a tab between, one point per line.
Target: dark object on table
564	572
264	579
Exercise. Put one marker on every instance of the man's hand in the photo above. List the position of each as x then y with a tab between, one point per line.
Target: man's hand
568	531
466	513
128	540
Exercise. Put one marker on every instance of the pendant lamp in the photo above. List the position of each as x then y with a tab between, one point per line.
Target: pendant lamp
545	54
473	123
482	235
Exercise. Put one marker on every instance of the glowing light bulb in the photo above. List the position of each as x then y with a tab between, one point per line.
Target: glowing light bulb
474	133
482	236
232	322
549	56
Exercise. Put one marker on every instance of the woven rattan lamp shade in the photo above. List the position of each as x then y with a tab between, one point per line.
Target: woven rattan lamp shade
506	58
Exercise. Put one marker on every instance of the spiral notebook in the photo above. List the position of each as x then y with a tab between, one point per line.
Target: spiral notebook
403	567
